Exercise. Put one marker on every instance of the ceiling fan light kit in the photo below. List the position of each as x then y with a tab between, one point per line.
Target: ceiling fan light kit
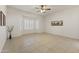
43	11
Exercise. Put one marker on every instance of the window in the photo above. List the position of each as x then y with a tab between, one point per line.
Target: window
30	24
37	24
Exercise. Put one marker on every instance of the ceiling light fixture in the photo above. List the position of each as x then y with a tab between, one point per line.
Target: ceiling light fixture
43	8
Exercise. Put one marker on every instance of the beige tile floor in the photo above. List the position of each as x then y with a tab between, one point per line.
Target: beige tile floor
41	43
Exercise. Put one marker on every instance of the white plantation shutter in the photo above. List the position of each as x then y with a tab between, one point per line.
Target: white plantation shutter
30	24
37	24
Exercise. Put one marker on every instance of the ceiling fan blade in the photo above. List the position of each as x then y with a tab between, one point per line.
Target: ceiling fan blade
37	8
48	9
38	11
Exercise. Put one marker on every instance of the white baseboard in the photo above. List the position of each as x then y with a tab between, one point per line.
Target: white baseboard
66	36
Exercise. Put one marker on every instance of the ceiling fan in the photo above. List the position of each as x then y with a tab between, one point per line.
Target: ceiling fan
43	8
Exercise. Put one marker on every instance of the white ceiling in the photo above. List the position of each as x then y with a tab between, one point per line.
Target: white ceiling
32	8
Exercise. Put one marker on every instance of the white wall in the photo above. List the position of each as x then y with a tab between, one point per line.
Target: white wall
3	34
70	19
15	17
